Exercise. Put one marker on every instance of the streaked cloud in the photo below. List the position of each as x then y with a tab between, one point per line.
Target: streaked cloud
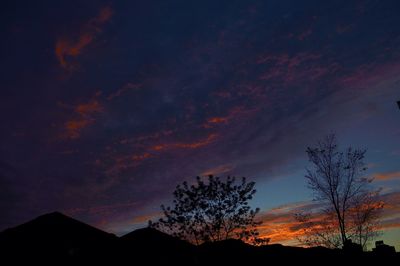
125	88
84	115
279	223
70	47
187	145
387	176
240	90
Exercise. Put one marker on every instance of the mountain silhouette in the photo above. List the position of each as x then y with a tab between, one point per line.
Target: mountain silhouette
52	235
56	239
152	238
151	245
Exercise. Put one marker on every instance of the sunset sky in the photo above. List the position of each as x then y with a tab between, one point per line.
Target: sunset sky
107	105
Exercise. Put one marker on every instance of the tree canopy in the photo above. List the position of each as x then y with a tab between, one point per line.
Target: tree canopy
211	210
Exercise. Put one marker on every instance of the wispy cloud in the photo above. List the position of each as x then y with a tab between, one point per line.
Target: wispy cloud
387	176
69	47
186	145
123	162
125	88
84	116
280	225
235	113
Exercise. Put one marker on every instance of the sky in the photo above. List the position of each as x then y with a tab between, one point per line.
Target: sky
107	105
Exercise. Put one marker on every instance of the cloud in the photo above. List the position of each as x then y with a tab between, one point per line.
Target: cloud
217	120
290	69
235	113
85	109
145	218
74	127
128	161
370	73
387	176
67	48
186	145
84	116
124	162
149	137
287	94
279	223
124	89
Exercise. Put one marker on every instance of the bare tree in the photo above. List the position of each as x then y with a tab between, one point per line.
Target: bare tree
349	204
364	217
211	211
318	229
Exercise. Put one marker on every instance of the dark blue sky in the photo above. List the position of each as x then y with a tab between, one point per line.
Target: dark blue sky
107	105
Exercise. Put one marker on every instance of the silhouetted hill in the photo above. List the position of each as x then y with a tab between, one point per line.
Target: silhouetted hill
235	252
56	239
52	235
149	237
151	245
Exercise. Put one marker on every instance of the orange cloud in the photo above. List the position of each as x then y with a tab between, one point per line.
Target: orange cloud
84	116
217	120
281	232
74	127
145	218
138	141
121	163
234	113
387	176
141	157
88	108
279	223
66	47
191	145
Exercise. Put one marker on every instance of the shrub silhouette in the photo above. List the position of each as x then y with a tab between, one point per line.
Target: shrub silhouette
211	211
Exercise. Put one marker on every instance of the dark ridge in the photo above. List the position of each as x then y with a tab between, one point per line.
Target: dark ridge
158	247
147	232
151	236
56	239
55	225
53	236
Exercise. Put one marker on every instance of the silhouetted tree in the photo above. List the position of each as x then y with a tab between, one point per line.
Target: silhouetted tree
350	208
211	211
364	217
318	229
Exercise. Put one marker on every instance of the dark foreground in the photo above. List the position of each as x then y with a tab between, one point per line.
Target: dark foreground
55	239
